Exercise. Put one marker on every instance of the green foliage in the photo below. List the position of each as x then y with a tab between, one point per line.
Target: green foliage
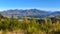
31	26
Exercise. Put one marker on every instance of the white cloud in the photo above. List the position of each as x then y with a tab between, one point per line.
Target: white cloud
46	9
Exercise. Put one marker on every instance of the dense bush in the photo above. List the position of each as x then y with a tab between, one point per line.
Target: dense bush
30	26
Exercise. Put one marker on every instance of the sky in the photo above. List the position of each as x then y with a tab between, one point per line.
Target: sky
50	5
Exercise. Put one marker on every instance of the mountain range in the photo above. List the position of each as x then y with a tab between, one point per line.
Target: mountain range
29	12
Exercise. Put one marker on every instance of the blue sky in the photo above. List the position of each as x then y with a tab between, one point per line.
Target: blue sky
53	5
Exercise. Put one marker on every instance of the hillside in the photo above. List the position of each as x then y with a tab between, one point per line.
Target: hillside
29	12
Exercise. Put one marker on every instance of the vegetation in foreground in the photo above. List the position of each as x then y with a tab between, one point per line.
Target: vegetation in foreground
28	26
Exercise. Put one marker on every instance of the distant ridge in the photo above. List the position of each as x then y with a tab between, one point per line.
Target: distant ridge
30	12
